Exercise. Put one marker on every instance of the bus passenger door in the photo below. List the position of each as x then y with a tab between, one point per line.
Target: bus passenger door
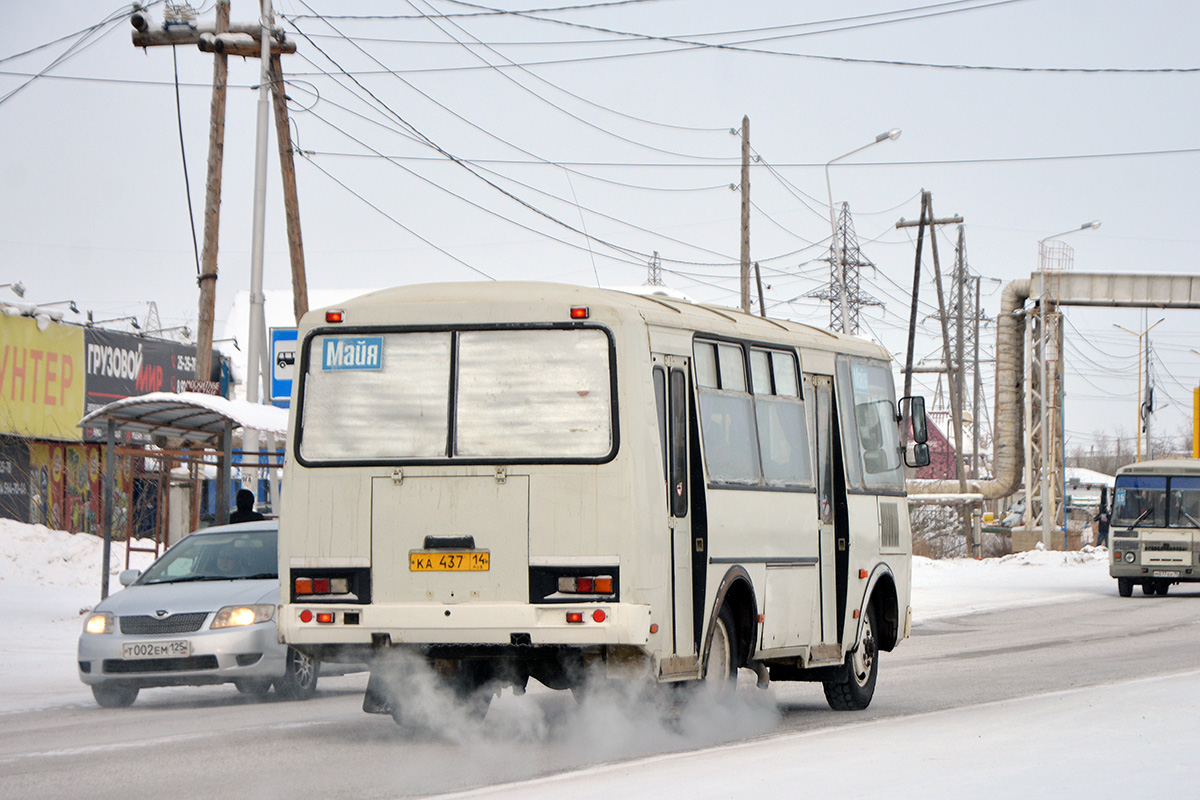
829	505
671	389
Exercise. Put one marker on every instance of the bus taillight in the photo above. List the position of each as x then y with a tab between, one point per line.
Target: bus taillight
586	584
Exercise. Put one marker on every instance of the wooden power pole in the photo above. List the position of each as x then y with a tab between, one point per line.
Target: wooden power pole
224	39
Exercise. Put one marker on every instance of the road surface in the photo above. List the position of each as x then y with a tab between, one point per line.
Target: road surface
212	742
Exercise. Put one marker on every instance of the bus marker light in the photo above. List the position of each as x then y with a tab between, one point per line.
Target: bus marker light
599	615
304	586
335	316
856	612
862	573
579	312
574	616
306	616
325	617
654	627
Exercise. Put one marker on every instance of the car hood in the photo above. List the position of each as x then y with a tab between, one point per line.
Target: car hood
176	598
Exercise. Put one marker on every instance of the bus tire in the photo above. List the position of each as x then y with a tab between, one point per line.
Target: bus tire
854	687
720	664
1125	587
1163	586
1148	588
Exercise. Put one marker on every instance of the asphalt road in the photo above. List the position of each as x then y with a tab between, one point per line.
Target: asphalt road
211	742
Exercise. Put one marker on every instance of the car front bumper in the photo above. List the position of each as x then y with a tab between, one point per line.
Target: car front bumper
223	655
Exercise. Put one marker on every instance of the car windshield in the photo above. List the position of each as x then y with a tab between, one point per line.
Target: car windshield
216	557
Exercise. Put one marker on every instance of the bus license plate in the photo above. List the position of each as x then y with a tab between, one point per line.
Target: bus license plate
175	649
449	562
1165	573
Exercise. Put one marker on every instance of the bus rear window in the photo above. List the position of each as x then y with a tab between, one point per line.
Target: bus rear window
517	394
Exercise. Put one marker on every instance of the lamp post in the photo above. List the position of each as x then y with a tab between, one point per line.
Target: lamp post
69	303
839	267
1141	401
17	287
184	329
133	321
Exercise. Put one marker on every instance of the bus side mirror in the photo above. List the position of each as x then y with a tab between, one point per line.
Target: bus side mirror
912	408
916	454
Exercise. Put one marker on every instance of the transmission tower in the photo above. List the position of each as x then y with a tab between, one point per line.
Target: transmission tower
153	323
654	271
852	261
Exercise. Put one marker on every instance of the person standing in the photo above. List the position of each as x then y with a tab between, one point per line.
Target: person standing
1101	520
245	508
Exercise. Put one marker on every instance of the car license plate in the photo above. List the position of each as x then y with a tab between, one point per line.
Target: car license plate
479	561
180	648
1165	573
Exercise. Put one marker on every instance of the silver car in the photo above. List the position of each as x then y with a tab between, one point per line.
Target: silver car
203	613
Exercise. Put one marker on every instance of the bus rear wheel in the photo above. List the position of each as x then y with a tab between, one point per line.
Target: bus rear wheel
854	687
720	666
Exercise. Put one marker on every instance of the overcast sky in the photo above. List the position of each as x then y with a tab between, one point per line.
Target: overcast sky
603	131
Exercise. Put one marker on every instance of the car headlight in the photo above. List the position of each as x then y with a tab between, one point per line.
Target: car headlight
100	622
238	616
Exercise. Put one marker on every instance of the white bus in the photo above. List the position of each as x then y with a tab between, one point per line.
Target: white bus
524	480
1155	530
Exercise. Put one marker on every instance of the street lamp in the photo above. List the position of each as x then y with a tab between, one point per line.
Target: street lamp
1044	250
1141	400
839	267
131	320
17	287
70	303
1085	226
184	329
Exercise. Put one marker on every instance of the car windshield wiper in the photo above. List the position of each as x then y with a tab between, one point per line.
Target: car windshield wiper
185	579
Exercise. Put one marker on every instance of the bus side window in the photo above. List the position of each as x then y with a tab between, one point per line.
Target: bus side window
660	404
779	409
679	437
726	413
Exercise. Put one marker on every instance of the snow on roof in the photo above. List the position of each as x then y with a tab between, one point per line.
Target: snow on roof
188	414
1088	477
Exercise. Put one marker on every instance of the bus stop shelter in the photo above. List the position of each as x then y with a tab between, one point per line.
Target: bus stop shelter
202	420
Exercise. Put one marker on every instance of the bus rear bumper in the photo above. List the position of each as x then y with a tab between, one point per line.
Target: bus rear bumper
581	625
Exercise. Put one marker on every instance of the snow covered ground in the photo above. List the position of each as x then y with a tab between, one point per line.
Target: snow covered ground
1045	746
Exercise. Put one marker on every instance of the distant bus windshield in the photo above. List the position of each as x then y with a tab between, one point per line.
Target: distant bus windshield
444	395
1157	501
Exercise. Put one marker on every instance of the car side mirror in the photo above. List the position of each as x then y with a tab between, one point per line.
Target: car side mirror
912	408
128	576
916	454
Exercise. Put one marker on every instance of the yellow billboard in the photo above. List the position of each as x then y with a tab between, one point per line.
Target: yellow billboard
41	379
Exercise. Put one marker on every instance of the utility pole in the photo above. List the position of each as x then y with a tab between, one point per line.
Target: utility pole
745	272
291	202
926	220
223	38
952	359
